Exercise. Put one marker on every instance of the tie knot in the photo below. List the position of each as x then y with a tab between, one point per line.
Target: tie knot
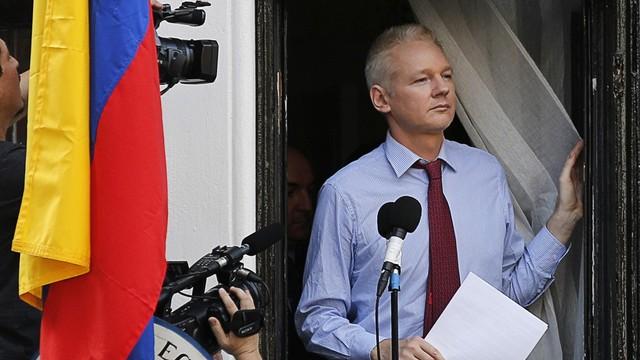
434	169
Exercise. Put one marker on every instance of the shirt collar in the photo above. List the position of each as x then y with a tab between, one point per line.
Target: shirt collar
401	158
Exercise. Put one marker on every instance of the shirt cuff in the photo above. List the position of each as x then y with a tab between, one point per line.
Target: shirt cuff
362	344
547	251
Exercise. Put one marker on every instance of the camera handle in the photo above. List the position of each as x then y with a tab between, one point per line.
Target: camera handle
245	323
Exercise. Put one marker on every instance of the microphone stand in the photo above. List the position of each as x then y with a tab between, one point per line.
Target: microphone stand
394	288
395	220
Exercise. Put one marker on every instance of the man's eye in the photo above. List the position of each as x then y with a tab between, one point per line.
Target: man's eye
447	76
421	80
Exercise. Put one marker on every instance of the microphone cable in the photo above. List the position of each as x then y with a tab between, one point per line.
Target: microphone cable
377	328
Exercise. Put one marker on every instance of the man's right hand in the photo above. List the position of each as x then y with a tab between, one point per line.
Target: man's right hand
411	348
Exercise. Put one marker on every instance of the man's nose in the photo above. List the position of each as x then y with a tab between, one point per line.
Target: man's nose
440	87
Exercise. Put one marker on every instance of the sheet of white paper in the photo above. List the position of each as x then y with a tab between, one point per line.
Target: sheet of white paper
482	323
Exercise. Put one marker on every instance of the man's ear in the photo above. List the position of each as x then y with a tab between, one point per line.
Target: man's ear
379	98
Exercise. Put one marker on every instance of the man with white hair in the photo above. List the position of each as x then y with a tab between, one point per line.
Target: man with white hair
467	224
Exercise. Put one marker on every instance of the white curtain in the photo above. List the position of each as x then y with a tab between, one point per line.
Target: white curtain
508	107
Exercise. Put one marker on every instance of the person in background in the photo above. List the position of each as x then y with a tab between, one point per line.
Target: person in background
300	194
301	187
19	322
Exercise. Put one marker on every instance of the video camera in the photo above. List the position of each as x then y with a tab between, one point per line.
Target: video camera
185	61
224	262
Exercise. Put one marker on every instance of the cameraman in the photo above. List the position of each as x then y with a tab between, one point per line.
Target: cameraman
242	348
19	322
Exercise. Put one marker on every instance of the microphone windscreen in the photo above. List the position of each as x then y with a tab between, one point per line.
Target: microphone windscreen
384	226
406	214
263	238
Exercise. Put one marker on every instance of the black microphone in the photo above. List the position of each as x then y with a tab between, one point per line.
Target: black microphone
395	220
251	245
261	240
190	17
384	227
222	256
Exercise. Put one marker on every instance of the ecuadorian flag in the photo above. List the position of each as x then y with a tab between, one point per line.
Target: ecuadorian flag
93	220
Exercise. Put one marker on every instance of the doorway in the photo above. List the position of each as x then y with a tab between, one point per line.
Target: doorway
329	115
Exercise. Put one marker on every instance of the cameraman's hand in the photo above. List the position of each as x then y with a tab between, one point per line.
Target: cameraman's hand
242	348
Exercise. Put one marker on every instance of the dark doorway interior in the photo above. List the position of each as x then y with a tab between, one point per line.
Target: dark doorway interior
15	12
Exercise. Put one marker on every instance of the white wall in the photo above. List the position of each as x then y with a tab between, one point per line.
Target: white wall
210	138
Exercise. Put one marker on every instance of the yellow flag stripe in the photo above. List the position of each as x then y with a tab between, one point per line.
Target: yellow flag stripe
53	228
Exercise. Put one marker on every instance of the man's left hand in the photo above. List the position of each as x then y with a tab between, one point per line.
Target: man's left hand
569	207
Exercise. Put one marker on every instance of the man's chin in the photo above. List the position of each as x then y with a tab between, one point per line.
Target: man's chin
441	122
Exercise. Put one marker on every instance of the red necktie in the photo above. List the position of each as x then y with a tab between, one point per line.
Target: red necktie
444	278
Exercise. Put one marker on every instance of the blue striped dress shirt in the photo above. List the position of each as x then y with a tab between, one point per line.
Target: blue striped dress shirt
335	316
